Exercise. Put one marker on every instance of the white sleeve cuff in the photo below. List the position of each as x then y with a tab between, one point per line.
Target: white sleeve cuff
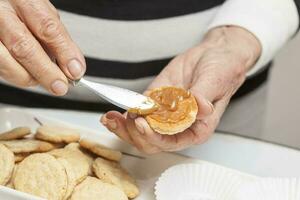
273	22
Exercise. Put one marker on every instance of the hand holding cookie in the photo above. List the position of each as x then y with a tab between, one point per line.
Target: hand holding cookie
212	72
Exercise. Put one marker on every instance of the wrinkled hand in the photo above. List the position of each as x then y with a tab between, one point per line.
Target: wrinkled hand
212	71
31	37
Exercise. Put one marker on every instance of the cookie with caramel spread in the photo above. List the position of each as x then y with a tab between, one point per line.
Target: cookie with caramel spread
177	110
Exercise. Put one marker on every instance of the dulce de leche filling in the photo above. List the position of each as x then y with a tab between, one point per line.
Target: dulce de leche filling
174	104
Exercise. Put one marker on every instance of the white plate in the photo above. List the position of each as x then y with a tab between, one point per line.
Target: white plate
146	169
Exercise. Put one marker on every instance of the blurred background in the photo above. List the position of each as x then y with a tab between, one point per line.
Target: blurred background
283	111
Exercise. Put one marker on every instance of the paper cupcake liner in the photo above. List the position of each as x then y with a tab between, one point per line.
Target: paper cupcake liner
197	182
271	189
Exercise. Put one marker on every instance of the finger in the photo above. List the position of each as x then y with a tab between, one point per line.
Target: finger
206	89
205	107
54	10
116	123
29	53
141	144
165	142
206	127
12	71
45	24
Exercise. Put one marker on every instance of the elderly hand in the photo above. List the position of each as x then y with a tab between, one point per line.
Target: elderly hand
31	37
212	71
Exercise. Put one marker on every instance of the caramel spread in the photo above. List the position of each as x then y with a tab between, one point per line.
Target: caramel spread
174	104
144	111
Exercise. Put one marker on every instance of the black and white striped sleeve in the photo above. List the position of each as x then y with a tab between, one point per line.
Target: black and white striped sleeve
273	22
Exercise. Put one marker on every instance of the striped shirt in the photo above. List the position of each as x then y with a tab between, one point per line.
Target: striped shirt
128	42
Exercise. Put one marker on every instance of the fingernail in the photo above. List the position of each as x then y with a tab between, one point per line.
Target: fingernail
59	87
75	68
112	124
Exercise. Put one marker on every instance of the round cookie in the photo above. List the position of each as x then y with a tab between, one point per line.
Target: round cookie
77	161
88	155
15	133
57	134
73	146
7	163
70	176
42	175
10	183
112	172
94	189
176	112
27	145
101	150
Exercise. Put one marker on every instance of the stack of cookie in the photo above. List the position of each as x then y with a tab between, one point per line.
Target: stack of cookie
56	165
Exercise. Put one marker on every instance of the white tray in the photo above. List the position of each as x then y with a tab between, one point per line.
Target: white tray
146	169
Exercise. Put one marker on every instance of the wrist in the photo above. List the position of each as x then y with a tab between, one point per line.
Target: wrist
235	40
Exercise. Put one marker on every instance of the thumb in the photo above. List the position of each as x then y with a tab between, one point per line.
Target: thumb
205	107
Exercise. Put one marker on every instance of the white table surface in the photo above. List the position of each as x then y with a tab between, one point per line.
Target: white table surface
246	155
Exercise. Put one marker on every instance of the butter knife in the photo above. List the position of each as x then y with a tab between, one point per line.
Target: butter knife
121	97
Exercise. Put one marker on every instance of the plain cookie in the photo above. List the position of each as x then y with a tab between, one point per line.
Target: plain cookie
15	133
101	150
94	189
57	134
112	172
42	175
73	146
28	145
70	176
88	155
10	183
77	161
7	163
